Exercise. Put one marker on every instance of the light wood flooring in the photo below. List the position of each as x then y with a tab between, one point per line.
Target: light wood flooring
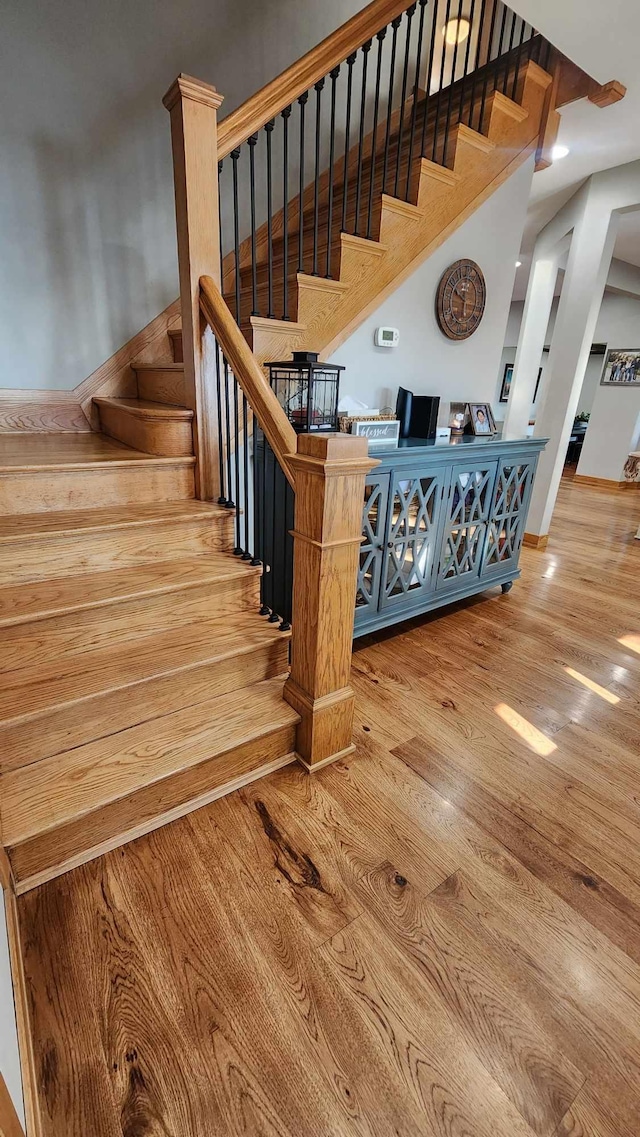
440	936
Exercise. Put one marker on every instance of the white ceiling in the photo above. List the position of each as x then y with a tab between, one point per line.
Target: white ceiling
602	38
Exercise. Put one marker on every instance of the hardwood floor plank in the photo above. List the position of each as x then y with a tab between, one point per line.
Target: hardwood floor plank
483	995
590	894
453	1089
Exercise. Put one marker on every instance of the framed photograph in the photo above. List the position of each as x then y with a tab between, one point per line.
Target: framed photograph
506	383
482	422
621	367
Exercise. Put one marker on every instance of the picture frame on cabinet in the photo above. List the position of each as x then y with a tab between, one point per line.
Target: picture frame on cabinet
482	420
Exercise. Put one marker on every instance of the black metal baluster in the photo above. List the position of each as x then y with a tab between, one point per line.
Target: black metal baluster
319	86
425	117
516	73
246	555
287	560
395	24
302	102
467	54
416	87
251	143
237	552
222	499
405	71
476	61
286	115
374	137
505	81
265	580
220	227
488	60
332	143
347	131
229	503
269	131
452	77
235	154
436	123
547	54
257	504
366	48
274	618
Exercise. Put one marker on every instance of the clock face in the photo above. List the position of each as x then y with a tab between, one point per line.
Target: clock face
461	299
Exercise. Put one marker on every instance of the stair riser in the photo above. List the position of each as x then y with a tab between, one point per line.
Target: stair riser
95	488
58	850
65	727
172	439
100	550
163	386
61	636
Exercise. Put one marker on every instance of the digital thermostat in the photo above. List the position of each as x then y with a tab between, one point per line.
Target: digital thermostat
387	337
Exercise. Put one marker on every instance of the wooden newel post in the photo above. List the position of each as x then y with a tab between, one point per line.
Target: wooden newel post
193	107
330	474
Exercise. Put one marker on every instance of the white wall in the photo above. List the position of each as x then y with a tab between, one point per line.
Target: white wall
9	1060
425	361
86	184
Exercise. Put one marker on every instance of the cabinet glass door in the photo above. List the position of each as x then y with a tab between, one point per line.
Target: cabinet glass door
412	535
508	514
465	523
374	519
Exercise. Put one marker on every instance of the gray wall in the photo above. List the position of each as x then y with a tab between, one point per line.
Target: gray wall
86	193
426	361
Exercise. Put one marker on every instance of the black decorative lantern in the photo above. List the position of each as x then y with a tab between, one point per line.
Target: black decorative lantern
307	391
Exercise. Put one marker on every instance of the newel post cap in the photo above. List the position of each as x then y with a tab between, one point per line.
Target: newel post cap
186	87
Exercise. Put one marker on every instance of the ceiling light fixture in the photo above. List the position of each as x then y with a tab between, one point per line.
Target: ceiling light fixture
558	152
456	31
518	263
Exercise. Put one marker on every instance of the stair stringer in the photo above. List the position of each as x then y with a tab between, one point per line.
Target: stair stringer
329	311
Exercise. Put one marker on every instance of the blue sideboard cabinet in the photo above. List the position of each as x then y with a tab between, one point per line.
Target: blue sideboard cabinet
441	522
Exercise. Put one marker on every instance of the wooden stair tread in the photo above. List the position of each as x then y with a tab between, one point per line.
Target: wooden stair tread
48	793
67	522
147	409
45	598
38	688
55	451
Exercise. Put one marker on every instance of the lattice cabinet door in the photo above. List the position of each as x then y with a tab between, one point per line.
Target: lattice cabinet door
412	535
466	513
508	515
374	519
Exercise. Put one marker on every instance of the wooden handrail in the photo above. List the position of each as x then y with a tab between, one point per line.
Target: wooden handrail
252	115
273	421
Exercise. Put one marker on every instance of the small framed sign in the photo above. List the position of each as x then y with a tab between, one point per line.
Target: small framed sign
382	433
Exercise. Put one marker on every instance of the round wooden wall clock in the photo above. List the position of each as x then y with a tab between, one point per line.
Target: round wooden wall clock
461	299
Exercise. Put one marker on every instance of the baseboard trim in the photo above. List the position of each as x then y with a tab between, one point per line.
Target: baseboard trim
604	483
23	1019
536	541
312	767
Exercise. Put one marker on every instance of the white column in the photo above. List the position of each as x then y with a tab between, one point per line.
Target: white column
535	318
580	300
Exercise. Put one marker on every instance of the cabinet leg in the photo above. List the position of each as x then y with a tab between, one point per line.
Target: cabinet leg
507	586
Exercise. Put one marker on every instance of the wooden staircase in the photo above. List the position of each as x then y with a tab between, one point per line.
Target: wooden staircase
137	682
